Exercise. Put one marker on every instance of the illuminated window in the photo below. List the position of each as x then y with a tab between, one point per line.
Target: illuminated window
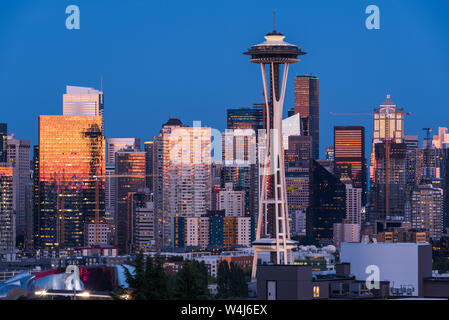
316	292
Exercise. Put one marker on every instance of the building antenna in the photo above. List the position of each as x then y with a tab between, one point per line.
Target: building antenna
274	20
101	83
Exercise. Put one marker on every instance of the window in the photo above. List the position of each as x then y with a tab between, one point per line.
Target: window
316	291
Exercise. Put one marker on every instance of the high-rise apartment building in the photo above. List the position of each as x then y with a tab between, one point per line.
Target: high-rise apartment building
182	174
427	211
353	204
18	154
71	179
307	105
231	201
349	156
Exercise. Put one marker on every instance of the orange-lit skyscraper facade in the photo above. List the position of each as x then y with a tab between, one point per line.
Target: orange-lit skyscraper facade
349	156
71	178
7	225
307	105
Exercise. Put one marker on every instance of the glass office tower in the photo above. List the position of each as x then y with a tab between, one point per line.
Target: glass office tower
71	178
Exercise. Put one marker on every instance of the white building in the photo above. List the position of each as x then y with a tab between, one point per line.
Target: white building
103	230
291	126
404	265
244	231
83	101
192	231
233	202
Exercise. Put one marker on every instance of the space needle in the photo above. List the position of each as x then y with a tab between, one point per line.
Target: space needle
273	232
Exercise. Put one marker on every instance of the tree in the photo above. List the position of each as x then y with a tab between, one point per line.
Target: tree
149	281
238	285
223	276
191	284
231	281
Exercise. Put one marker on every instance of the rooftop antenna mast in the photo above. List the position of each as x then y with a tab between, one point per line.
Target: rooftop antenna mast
274	20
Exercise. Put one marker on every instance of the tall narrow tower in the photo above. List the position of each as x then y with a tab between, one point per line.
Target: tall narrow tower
272	232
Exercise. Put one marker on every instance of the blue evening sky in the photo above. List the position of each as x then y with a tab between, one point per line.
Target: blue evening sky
162	59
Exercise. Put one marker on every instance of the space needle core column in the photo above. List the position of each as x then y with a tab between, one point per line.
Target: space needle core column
272	233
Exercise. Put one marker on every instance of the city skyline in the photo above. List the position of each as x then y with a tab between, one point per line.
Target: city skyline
178	156
141	87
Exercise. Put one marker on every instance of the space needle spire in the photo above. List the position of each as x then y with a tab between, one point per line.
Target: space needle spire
272	233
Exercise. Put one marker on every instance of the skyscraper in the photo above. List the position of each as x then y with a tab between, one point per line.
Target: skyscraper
182	174
18	154
387	173
327	203
148	147
130	172
110	190
299	153
349	156
83	101
245	118
389	187
7	217
71	179
388	125
307	105
36	198
3	134
117	144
